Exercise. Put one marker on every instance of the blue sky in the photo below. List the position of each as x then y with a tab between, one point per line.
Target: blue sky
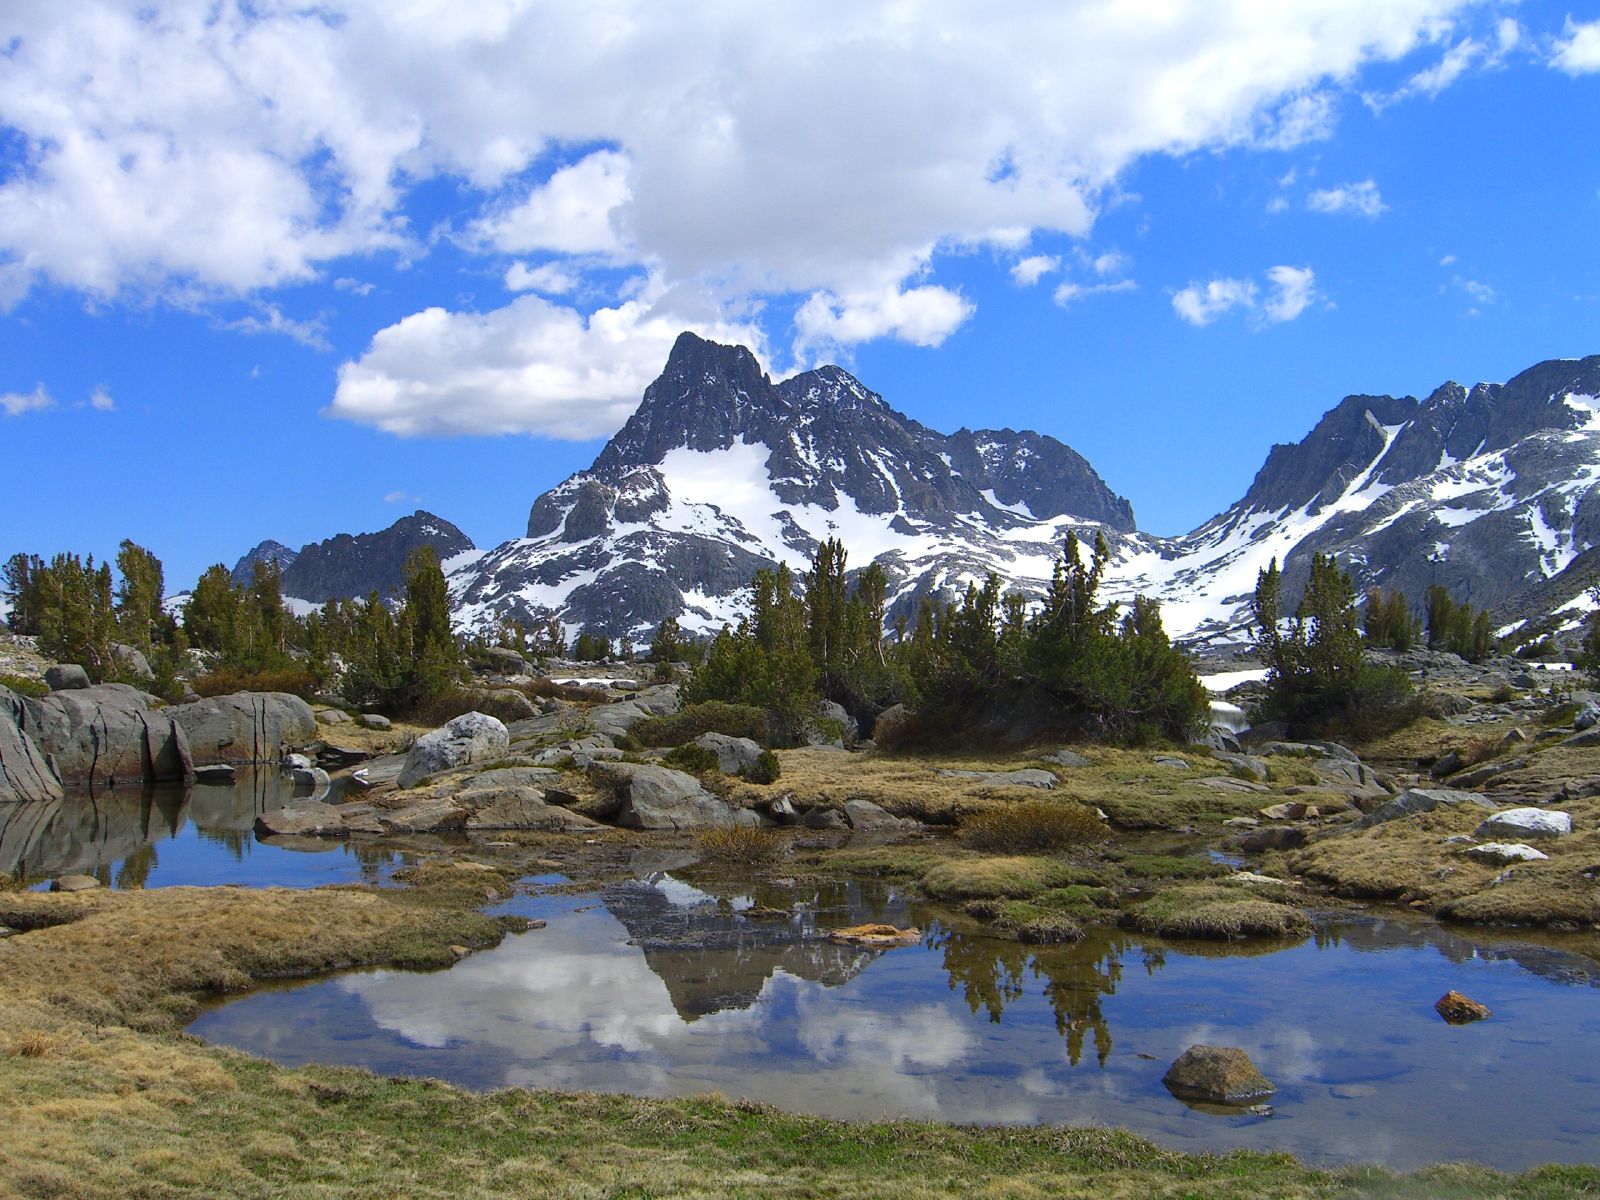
266	273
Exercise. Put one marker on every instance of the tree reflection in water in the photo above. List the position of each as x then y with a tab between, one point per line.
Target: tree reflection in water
993	973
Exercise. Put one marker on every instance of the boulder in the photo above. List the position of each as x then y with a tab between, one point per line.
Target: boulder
245	727
26	774
1588	716
373	721
1527	823
1249	764
1172	762
503	661
658	701
333	716
131	662
471	737
866	817
824	819
1447	763
311	780
655	797
891	722
614	720
1459	1009
735	755
215	773
105	735
1064	758
66	677
831	725
1502	853
512	701
422	814
1420	800
1217	1074
1479	776
1227	783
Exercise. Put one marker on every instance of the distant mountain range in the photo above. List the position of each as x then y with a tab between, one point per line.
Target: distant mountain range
1489	491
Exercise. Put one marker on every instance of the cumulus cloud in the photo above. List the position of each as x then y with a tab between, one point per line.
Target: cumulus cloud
1578	51
100	400
244	146
17	403
552	279
732	151
1482	53
1291	290
1355	199
923	316
1028	271
530	367
571	214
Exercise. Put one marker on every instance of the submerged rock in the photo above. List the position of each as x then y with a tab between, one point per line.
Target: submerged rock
1459	1009
1219	1074
74	883
877	936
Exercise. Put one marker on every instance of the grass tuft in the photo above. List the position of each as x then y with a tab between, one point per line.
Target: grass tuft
1033	827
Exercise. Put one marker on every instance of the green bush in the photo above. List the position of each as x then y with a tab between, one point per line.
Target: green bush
1033	827
697	760
711	716
766	770
24	686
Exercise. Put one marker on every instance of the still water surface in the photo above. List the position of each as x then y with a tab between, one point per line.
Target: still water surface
658	988
170	835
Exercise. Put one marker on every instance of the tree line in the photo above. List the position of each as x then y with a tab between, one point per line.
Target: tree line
990	660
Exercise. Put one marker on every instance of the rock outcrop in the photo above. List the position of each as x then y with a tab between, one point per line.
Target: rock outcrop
25	773
106	735
244	727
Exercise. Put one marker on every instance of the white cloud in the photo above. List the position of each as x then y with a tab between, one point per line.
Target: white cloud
401	497
573	213
1292	291
1578	53
1028	271
1447	260
923	316
272	319
530	367
1067	292
1357	199
1476	290
235	147
17	403
354	286
1112	262
100	400
552	279
1278	204
1201	304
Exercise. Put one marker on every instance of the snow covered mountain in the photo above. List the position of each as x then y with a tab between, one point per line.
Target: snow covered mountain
719	472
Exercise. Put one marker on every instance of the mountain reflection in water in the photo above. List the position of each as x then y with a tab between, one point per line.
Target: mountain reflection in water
658	987
172	835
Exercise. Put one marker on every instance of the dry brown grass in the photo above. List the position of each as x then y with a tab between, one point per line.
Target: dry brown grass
1124	783
740	845
1033	827
1410	861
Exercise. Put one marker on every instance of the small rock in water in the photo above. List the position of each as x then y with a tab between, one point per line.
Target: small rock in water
1219	1074
460	951
1459	1009
876	936
215	773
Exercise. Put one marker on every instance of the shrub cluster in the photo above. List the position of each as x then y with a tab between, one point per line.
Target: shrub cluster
740	845
711	716
224	680
1033	827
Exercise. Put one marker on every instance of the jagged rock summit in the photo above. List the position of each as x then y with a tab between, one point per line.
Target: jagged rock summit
720	471
1487	490
356	565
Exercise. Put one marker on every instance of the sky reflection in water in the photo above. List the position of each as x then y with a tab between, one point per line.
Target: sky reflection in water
658	989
